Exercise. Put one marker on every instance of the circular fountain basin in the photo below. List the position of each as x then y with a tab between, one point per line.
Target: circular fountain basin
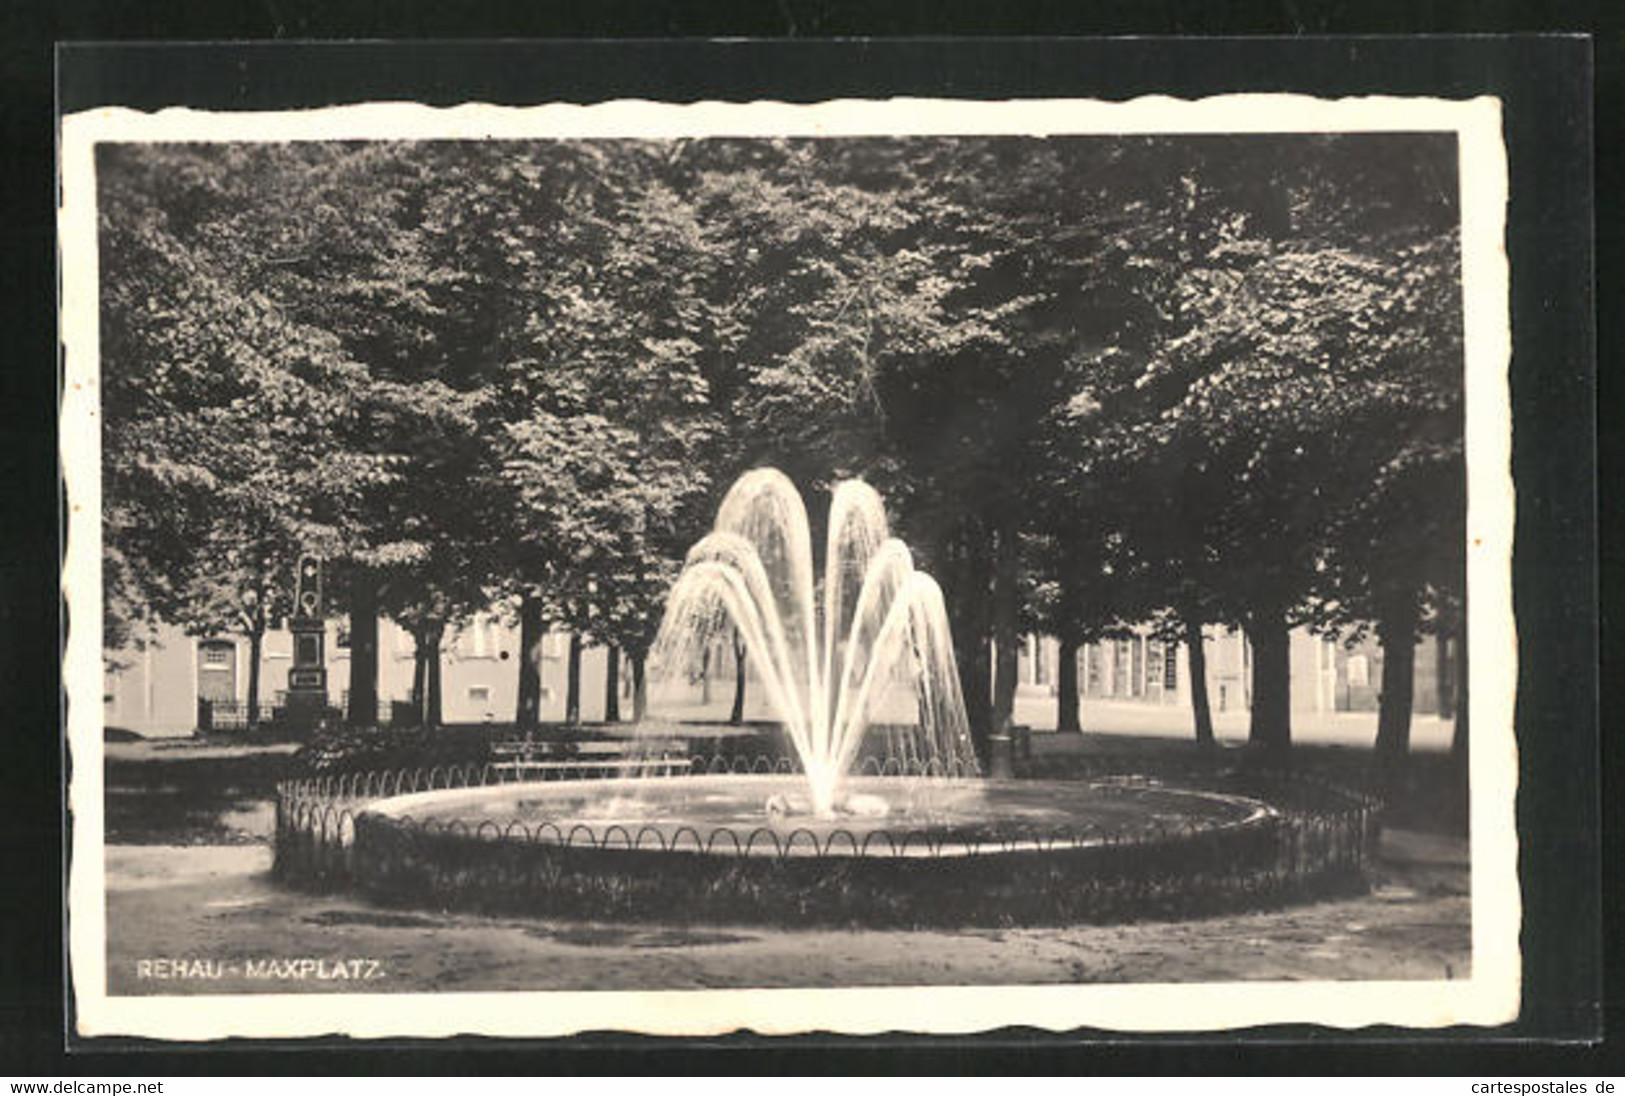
943	852
770	815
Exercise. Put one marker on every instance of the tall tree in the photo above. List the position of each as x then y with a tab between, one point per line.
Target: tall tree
1246	398
222	410
1073	597
333	239
521	372
1396	559
926	299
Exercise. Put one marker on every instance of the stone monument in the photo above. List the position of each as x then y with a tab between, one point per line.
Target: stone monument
307	677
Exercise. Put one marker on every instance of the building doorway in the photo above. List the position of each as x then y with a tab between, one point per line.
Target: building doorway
217	671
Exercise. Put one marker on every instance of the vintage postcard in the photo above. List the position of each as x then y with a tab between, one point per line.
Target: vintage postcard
868	566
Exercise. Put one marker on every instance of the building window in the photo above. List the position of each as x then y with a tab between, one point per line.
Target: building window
1170	667
478	638
485	636
217	655
479	694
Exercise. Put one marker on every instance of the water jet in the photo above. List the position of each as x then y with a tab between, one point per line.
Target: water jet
876	811
825	662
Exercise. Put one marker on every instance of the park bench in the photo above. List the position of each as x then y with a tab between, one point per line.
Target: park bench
525	759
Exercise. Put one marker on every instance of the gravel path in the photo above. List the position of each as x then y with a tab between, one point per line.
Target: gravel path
208	919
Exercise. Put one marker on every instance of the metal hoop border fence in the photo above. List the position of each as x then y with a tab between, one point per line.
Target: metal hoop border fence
380	784
1321	828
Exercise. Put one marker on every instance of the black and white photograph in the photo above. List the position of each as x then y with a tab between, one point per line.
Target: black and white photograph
913	565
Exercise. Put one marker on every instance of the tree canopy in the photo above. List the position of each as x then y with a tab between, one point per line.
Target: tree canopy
1102	381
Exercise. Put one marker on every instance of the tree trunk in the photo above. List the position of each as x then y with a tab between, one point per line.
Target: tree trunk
1006	631
967	594
572	682
363	706
420	675
612	684
432	712
532	631
640	691
1444	680
1066	689
736	715
256	636
974	656
1397	632
1459	735
705	674
1271	731
1201	710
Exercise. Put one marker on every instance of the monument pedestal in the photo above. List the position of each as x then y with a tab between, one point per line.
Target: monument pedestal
307	677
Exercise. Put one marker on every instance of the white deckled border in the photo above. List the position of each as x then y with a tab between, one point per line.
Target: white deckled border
1489	996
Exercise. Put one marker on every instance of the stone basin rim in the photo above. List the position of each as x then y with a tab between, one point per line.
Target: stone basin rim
902	838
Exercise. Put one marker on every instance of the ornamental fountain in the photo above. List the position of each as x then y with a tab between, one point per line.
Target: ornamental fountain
823	662
858	666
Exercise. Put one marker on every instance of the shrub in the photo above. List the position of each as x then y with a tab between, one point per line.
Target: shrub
359	749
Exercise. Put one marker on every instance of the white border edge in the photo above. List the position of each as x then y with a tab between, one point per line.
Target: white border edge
1489	997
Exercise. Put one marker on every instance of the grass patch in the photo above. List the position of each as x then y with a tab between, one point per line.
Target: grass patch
191	797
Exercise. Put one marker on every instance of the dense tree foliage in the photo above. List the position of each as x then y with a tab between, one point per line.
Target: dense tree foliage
1304	357
1103	382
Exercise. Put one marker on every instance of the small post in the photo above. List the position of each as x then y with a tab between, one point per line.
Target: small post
1002	749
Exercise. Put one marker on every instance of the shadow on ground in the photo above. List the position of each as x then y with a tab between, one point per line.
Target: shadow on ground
192	909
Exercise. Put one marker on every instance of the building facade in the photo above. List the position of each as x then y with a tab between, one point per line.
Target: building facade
155	691
1327	676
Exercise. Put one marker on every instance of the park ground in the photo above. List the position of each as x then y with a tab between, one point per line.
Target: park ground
191	907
